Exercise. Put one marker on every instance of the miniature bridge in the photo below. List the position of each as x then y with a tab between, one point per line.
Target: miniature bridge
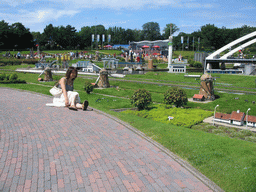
214	60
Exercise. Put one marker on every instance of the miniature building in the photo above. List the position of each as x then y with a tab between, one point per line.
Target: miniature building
237	117
223	117
198	97
111	63
251	121
47	74
87	66
177	68
206	88
103	79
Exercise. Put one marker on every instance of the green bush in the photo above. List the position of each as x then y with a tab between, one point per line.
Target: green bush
197	64
191	62
141	99
246	132
175	96
7	76
13	76
2	76
88	87
251	138
217	131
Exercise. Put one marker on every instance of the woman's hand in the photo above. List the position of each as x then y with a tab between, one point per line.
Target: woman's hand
66	102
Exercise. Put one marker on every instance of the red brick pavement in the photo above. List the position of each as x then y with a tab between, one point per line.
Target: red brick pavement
55	149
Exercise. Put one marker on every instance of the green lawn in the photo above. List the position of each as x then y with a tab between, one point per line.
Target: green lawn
229	162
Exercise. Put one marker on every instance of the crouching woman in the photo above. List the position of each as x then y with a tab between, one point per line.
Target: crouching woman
69	98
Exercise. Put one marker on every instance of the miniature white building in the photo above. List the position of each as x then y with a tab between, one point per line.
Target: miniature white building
237	117
177	68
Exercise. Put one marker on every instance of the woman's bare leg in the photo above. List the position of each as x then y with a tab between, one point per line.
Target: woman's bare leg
73	104
79	106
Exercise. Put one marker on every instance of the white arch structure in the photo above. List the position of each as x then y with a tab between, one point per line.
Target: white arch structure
238	48
231	44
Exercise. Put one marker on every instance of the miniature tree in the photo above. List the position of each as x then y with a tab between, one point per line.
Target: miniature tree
175	96
141	99
88	87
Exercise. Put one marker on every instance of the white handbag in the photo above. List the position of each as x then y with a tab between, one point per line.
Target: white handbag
55	91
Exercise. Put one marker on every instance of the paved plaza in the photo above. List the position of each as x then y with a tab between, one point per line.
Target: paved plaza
55	149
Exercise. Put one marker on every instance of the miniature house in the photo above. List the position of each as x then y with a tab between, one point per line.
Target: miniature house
251	121
198	97
237	117
223	117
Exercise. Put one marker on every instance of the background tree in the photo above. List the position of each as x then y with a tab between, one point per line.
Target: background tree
50	37
129	36
167	29
20	36
4	33
210	37
86	37
151	31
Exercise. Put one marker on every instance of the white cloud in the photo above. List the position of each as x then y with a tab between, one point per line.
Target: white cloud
39	16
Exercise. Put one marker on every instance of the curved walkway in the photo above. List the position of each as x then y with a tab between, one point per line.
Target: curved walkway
56	149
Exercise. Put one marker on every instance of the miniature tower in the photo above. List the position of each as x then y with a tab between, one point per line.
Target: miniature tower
206	88
103	80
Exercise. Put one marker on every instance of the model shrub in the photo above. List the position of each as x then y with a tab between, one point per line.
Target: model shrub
175	96
88	87
251	138
181	117
197	64
2	76
191	62
141	99
13	77
7	77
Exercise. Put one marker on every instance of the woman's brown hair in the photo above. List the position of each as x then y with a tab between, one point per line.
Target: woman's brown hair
69	71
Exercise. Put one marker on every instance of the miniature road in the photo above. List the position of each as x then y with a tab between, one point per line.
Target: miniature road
55	149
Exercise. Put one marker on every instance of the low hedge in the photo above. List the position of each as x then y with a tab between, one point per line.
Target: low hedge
181	117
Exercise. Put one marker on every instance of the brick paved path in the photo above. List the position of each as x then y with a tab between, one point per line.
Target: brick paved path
55	149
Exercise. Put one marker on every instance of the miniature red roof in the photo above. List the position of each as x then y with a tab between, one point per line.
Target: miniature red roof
250	118
237	116
197	96
222	116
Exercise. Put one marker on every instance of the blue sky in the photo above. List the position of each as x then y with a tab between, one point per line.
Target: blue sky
188	15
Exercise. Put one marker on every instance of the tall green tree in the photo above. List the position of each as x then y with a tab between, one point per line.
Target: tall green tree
210	37
4	32
151	31
21	36
167	30
86	36
50	37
